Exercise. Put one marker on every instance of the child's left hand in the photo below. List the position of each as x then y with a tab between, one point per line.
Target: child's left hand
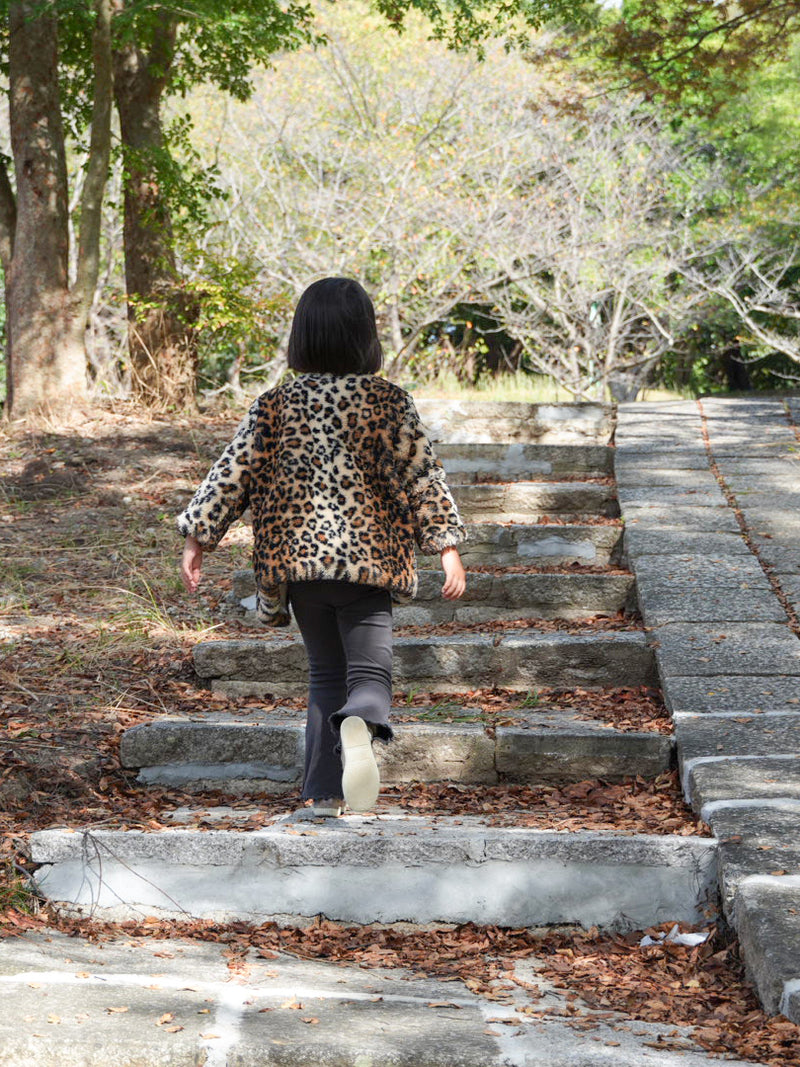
191	564
455	579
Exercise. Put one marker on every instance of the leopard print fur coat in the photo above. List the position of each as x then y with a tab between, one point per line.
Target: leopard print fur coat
341	482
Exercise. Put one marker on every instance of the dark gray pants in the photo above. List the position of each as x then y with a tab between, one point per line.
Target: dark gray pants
347	631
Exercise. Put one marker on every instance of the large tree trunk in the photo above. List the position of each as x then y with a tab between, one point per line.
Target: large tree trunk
162	351
46	357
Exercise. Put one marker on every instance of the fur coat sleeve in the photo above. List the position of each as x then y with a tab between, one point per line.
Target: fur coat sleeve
224	494
437	523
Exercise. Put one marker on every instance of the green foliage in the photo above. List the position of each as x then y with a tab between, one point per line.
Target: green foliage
696	53
726	75
15	890
221	41
467	24
187	185
238	326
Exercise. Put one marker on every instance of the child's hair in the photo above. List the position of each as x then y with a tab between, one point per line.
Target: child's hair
334	331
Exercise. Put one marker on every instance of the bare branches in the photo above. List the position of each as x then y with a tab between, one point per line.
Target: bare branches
457	194
761	288
591	256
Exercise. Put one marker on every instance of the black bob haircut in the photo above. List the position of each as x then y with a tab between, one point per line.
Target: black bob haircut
334	331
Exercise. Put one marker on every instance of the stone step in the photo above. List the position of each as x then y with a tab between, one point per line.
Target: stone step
510	543
465	463
548	544
283	1009
387	868
485	422
488	596
453	663
531	501
264	752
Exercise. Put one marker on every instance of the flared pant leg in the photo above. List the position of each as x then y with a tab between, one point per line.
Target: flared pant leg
347	632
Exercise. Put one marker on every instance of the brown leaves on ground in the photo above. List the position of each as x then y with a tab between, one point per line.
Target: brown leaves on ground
97	637
619	621
542	479
604	977
703	987
530	568
626	708
634	806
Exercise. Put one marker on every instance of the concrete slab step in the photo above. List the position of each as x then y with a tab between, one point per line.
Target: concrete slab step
481	421
530	501
288	1012
470	462
756	839
380	869
550	544
255	753
767	918
453	663
726	778
488	596
765	734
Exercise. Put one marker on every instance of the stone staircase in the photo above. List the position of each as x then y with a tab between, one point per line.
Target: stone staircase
546	531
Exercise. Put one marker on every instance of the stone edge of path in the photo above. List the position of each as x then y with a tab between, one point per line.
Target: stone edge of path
737	732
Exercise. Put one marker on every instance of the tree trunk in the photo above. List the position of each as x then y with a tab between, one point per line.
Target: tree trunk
161	345
46	357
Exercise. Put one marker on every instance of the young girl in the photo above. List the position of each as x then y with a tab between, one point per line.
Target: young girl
341	482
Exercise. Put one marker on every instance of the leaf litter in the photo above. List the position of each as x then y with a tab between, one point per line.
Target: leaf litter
619	622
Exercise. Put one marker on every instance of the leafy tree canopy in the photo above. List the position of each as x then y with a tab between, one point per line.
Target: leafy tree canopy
697	52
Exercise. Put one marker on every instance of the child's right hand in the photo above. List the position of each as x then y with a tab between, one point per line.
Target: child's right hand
455	580
191	564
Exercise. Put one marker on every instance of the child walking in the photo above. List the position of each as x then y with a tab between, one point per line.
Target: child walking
342	483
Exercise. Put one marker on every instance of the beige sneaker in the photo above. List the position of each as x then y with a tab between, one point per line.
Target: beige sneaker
330	806
360	778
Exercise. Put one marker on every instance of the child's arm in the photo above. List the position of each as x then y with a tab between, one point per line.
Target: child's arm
438	527
455	580
191	563
224	493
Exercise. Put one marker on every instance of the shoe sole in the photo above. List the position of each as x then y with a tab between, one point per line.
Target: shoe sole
360	778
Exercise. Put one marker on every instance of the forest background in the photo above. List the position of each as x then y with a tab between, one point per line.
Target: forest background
599	197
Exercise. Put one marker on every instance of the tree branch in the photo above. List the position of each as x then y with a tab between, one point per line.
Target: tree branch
96	173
